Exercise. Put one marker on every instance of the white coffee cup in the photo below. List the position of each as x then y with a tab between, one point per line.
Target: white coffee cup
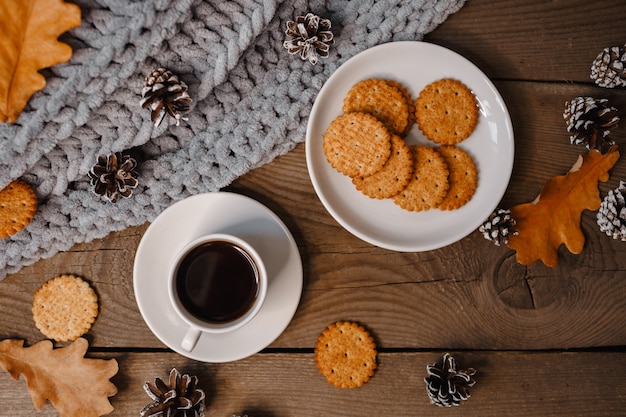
217	283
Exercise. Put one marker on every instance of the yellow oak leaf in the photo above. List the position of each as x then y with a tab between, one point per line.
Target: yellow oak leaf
28	33
553	218
75	386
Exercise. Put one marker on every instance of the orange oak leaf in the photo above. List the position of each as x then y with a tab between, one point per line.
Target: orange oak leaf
28	34
554	217
75	386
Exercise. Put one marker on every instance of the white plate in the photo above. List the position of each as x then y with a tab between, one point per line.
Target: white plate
381	222
218	213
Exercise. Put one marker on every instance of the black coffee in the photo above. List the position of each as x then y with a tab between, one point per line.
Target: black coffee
217	282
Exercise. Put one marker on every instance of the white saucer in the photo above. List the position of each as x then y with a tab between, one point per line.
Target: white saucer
219	212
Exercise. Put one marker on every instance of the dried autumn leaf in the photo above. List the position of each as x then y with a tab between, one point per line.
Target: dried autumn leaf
554	217
75	386
29	33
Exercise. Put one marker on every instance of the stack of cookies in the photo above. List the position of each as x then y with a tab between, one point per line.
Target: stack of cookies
366	143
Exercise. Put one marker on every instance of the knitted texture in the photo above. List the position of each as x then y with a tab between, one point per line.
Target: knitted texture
251	101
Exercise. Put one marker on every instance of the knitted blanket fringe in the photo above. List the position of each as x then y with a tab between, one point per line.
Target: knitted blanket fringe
250	104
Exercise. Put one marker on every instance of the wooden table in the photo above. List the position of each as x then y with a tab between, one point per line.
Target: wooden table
545	341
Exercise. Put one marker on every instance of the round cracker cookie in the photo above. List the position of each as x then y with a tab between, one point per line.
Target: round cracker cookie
463	178
357	144
429	183
410	102
446	111
345	353
64	308
393	177
18	204
381	99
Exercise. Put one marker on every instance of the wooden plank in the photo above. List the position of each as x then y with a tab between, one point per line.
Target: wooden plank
288	384
534	40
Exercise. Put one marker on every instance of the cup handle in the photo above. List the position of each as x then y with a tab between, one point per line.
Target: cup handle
190	339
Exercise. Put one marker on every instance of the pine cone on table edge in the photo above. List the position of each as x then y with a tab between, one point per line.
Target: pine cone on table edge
611	216
498	227
589	121
608	69
445	386
181	398
114	176
310	36
164	94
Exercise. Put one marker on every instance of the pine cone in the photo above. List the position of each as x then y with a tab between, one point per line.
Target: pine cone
310	37
611	216
609	68
114	176
497	227
181	398
445	385
589	120
165	94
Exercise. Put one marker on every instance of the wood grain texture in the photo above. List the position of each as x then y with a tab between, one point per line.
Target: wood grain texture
534	40
545	341
279	385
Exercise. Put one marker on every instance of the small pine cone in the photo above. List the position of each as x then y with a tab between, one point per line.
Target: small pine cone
498	227
589	120
113	176
445	385
611	216
181	398
310	37
165	94
609	68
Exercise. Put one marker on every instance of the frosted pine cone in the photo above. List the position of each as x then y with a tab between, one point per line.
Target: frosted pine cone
609	68
589	120
497	227
113	176
445	385
179	398
310	37
165	94
611	216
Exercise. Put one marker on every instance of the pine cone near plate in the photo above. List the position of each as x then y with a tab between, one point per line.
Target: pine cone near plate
609	68
589	121
164	94
179	397
611	216
113	176
445	385
498	227
310	37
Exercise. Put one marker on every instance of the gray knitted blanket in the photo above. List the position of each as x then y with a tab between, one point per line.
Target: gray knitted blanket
250	104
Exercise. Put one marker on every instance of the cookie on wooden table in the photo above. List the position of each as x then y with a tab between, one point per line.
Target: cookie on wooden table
393	177
18	204
64	308
429	183
384	99
446	111
357	144
463	178
345	353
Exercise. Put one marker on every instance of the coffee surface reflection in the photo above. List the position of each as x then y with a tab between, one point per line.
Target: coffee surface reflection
217	282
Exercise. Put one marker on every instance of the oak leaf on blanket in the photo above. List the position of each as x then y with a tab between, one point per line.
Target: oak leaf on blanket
29	33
